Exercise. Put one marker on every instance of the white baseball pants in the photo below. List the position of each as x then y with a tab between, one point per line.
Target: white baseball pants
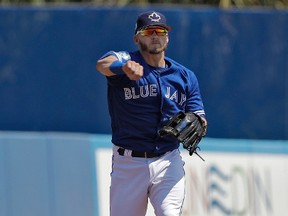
134	180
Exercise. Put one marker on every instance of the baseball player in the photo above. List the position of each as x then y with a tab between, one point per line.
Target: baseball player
145	90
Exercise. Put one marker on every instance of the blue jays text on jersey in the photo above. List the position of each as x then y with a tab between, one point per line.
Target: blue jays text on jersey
138	109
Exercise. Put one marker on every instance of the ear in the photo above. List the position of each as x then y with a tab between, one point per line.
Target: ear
136	39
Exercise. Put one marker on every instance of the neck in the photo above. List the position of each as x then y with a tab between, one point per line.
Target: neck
155	60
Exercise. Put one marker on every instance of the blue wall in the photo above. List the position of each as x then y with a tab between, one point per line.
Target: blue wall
46	174
48	80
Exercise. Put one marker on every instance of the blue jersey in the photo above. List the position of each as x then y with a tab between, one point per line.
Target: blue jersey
138	109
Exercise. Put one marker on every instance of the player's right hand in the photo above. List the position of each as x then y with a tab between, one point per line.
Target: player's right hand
133	70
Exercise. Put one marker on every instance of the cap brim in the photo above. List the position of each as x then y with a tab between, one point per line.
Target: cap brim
163	26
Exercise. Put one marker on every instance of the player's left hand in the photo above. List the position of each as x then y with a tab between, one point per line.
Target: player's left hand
188	128
205	123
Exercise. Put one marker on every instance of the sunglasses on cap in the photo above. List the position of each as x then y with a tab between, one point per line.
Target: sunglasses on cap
150	31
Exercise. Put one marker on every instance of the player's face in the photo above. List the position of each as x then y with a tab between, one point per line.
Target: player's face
152	40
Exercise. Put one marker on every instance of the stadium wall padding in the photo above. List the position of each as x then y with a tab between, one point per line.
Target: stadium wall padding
48	80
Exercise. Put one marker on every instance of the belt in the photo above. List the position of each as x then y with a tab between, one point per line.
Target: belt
121	152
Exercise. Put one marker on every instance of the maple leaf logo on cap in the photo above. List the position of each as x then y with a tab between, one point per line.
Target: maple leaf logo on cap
151	18
154	17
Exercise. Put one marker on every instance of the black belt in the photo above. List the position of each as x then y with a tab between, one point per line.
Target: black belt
121	152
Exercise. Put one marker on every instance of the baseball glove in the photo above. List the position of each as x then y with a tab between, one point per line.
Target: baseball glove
188	128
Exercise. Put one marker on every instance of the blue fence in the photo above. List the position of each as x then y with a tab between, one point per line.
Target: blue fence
48	80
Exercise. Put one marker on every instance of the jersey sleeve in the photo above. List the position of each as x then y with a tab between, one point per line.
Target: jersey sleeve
194	99
122	56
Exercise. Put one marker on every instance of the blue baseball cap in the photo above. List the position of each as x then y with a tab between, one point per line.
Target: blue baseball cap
151	18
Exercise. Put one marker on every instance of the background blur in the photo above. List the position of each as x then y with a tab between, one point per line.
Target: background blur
53	108
48	80
215	3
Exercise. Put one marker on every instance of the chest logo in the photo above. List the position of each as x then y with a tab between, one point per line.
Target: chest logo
179	98
143	92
